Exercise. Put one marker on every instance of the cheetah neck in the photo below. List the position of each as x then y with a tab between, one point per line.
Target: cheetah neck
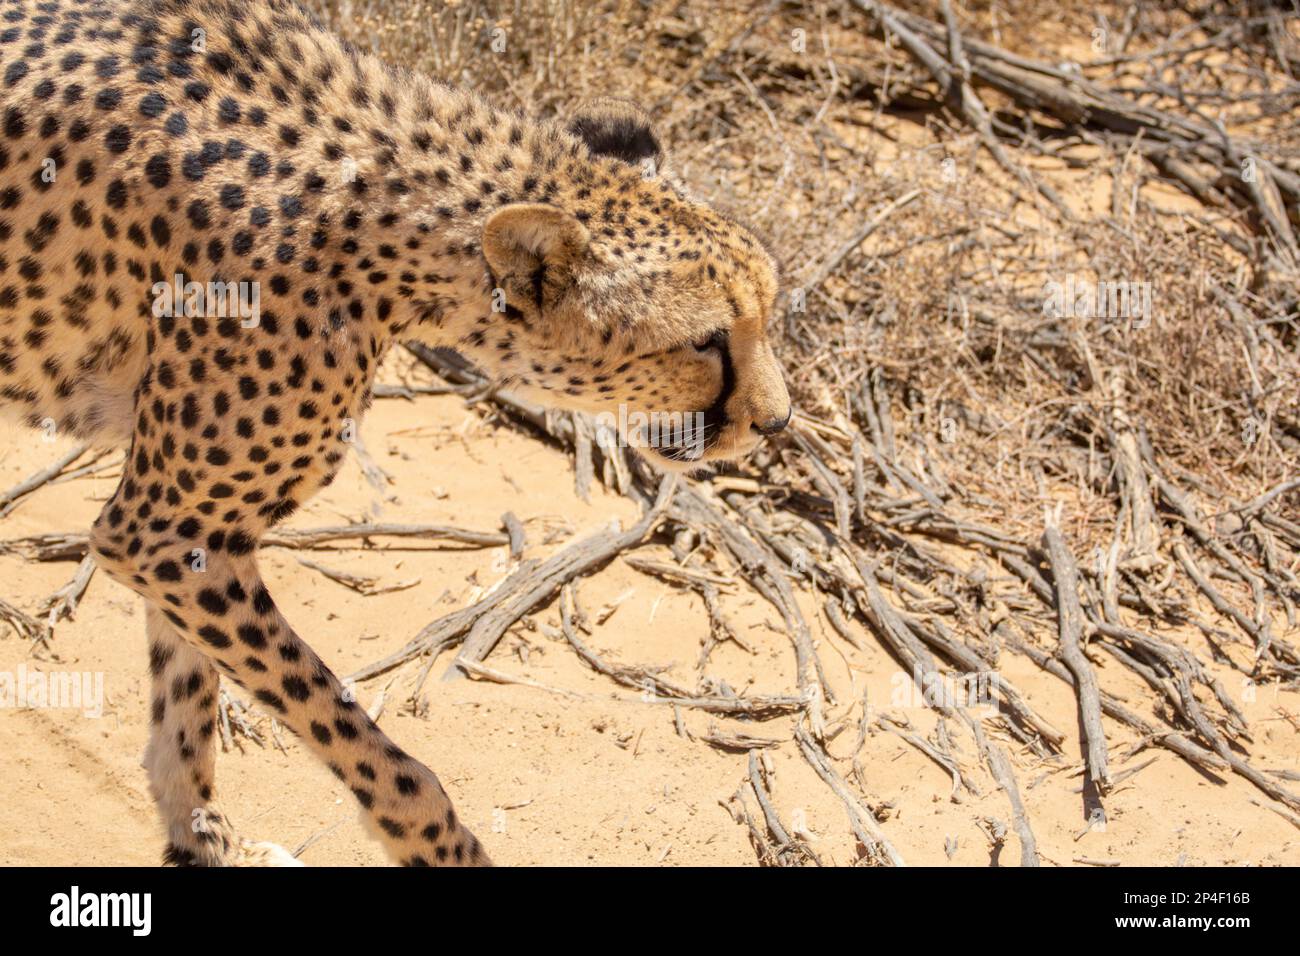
422	166
413	192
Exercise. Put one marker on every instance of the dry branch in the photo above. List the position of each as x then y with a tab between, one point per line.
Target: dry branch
9	499
1070	622
1000	767
862	821
655	689
507	605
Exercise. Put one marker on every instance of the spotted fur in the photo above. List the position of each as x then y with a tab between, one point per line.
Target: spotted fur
233	141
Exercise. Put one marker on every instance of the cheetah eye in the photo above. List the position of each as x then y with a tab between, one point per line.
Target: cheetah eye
717	340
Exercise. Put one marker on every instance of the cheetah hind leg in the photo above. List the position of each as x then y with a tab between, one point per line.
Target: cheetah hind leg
181	757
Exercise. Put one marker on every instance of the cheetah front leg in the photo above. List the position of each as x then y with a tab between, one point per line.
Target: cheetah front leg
181	756
225	613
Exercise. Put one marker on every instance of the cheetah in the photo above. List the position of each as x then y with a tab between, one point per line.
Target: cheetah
215	218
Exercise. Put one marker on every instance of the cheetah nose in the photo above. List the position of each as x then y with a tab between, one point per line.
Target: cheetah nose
773	425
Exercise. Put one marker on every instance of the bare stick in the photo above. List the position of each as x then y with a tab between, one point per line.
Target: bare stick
9	499
321	537
861	820
63	602
375	475
515	530
361	583
788	848
834	260
657	690
23	624
738	742
1000	767
1070	623
547	578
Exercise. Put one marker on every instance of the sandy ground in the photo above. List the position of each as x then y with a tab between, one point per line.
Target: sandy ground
569	768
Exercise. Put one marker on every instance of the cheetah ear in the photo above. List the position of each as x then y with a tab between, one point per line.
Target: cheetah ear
618	128
535	243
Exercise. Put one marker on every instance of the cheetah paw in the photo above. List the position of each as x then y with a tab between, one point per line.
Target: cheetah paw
232	852
249	853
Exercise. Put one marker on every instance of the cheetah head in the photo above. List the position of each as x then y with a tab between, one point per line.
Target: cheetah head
628	299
